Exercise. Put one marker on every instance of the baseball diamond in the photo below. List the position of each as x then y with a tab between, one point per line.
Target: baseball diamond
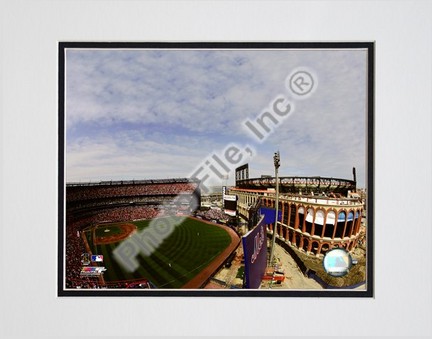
192	246
101	216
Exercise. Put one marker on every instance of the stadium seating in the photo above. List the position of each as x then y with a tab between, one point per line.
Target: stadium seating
91	204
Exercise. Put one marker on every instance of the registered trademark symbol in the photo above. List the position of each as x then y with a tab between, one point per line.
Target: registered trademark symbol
301	83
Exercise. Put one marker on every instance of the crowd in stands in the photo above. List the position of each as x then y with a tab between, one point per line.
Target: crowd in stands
212	214
74	250
79	193
119	201
91	205
75	245
76	223
126	213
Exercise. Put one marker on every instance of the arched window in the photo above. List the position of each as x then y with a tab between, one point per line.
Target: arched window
324	248
305	243
301	216
310	215
319	217
330	224
292	215
309	220
319	221
340	225
297	239
342	216
315	247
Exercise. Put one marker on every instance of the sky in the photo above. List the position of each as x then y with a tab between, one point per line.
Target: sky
153	114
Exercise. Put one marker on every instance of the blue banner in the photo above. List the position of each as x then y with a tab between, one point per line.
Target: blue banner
270	214
255	255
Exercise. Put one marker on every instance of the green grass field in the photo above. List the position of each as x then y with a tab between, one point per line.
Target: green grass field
190	248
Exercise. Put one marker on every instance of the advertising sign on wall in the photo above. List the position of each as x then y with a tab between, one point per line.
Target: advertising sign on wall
255	254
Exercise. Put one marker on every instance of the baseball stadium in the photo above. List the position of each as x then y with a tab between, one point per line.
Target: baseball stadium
156	234
101	216
315	216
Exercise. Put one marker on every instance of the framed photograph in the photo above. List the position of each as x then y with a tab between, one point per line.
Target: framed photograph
240	169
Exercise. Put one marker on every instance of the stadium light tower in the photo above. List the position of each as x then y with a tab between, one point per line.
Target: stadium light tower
276	160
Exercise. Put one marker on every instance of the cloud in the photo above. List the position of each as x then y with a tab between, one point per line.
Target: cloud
325	134
172	107
186	88
124	158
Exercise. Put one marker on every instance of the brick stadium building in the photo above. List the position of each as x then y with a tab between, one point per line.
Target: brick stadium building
318	213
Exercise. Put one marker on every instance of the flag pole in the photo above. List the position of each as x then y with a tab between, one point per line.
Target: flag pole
276	159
